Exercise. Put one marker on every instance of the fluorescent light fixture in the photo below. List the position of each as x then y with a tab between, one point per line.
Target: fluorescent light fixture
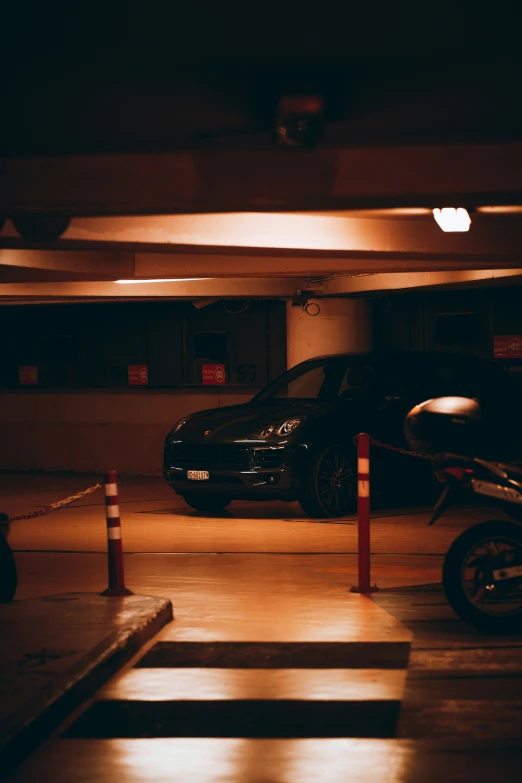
163	280
513	209
451	219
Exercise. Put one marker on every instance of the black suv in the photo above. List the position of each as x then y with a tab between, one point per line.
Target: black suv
295	439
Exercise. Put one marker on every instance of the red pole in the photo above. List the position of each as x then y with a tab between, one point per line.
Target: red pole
363	514
114	546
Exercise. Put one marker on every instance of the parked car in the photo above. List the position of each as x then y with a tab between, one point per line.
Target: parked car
295	439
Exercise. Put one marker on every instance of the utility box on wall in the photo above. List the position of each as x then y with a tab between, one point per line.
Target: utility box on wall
459	330
458	322
210	358
236	339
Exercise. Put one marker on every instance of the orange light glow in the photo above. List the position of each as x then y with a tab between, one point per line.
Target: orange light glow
163	280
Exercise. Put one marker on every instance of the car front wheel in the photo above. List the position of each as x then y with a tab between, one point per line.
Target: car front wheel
330	484
206	502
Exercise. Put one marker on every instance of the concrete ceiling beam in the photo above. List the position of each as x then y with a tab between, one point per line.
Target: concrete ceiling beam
232	262
226	262
99	264
489	234
263	180
382	283
243	288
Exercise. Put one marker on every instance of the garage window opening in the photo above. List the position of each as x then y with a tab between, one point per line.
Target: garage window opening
211	346
459	329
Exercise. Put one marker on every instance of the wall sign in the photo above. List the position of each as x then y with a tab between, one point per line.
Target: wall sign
138	374
213	374
246	373
507	346
28	376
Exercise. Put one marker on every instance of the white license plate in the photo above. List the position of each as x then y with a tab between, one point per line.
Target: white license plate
198	475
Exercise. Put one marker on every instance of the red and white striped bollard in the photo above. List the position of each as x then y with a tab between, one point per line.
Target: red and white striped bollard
114	544
363	514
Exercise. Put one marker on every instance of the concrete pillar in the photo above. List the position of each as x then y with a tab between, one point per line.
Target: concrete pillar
342	326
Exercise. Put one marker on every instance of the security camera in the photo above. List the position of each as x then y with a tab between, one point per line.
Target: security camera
300	120
300	299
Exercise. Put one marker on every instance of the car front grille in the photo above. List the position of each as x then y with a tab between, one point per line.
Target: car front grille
268	459
208	456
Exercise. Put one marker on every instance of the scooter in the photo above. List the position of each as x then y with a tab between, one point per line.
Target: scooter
8	575
482	572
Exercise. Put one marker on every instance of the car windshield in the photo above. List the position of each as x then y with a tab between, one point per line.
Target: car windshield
322	379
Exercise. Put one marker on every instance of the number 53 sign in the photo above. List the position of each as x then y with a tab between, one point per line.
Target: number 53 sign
246	373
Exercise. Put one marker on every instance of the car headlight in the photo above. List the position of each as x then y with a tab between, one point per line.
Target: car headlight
180	424
288	426
281	430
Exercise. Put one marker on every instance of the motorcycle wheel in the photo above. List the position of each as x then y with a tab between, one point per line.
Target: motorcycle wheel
468	580
8	577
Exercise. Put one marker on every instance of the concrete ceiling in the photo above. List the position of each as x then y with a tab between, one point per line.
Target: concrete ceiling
331	177
247	255
146	113
146	131
206	75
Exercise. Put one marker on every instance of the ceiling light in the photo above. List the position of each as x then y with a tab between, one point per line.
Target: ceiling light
510	209
163	280
451	219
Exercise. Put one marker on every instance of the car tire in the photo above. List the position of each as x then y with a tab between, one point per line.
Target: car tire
207	502
8	576
330	484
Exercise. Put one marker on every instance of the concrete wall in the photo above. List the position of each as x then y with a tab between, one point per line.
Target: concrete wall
123	429
93	431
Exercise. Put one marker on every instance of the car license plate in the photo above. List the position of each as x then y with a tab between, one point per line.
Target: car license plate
198	475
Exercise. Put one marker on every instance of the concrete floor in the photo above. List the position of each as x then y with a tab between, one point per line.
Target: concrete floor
56	650
265	575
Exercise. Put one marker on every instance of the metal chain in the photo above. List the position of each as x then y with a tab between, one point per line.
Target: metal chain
394	448
398	450
55	506
414	453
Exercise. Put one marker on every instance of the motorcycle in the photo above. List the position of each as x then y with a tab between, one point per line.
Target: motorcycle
482	571
8	576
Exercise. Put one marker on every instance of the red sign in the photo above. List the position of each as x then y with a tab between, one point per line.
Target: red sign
507	346
138	374
28	376
213	374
